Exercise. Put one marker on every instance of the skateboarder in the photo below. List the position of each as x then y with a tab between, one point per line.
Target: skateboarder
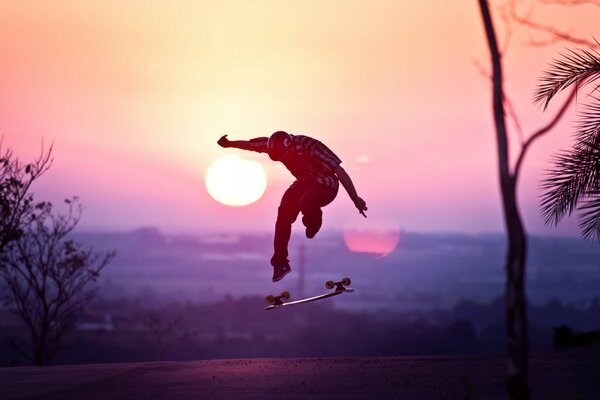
318	173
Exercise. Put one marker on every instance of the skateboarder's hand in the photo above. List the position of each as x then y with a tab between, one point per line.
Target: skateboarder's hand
223	141
361	205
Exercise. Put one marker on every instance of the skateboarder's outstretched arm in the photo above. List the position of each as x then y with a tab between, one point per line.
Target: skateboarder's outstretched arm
258	144
346	182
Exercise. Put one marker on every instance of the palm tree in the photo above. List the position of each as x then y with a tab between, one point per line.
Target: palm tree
573	183
517	246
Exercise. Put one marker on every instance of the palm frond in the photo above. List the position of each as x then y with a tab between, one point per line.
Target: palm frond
588	127
579	67
562	187
575	174
589	221
587	142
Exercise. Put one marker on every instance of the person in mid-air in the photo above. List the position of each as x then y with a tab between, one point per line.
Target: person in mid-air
318	173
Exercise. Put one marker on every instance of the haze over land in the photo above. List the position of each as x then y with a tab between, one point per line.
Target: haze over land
424	271
434	294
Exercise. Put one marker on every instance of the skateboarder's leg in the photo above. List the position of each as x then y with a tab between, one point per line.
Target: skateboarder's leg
311	202
286	215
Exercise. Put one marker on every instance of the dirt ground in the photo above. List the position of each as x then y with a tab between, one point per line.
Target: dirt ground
554	376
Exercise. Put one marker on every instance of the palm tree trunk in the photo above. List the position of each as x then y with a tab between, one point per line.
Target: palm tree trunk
516	304
516	317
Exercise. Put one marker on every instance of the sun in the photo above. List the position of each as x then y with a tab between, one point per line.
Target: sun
234	181
380	237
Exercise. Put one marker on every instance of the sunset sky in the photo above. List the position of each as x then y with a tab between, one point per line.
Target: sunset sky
133	95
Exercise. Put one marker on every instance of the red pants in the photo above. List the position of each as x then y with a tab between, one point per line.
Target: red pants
305	197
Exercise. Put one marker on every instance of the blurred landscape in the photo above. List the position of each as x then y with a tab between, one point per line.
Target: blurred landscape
188	297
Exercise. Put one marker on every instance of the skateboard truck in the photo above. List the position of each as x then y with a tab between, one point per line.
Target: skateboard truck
339	286
276	300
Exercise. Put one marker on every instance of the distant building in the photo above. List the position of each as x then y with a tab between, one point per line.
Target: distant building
101	325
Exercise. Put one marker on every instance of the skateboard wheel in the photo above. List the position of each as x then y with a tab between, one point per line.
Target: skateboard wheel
346	281
270	299
285	295
329	284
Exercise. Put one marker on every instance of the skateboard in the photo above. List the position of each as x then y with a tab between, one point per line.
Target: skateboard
340	287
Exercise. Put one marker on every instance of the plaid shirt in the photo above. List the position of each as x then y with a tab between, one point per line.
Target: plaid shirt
308	159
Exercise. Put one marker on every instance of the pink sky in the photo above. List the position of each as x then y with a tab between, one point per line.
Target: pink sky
134	96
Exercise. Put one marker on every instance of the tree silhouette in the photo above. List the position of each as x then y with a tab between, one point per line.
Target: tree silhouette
48	277
573	184
165	329
16	200
516	254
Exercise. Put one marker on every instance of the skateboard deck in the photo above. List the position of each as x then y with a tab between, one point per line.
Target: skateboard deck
340	287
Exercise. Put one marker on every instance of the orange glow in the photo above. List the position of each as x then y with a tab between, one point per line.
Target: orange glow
134	96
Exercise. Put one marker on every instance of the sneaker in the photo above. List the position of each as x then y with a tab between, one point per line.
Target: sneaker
311	232
280	269
311	227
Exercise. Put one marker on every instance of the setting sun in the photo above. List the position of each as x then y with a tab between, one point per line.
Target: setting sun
234	181
380	237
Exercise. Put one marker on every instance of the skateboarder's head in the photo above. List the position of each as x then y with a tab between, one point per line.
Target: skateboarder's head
279	143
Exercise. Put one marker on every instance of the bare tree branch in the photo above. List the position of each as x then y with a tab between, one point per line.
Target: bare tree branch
508	103
48	277
16	201
165	330
512	113
572	2
542	131
555	35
